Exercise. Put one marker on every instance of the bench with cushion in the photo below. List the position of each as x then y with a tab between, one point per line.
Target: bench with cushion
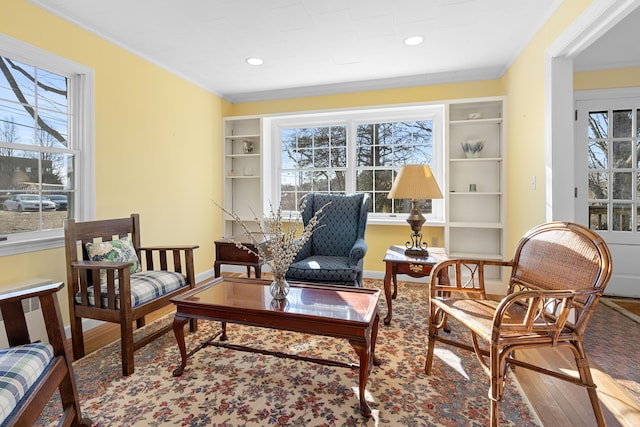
30	373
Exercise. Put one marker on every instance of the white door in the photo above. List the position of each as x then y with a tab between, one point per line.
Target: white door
607	193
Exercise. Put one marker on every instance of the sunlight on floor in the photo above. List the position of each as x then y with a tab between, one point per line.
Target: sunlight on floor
451	359
375	413
305	346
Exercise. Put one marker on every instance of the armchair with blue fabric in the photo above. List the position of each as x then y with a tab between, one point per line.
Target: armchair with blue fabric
335	252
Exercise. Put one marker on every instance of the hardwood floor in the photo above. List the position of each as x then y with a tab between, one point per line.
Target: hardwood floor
556	402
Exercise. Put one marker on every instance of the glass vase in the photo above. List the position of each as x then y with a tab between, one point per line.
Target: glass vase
279	288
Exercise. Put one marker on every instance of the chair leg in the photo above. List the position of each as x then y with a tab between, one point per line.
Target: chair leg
77	338
496	373
140	322
126	344
495	413
431	344
584	371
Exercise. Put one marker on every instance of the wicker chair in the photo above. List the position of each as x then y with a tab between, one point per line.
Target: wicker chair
132	280
558	274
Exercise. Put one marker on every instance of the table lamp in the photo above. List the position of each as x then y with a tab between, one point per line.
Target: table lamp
415	182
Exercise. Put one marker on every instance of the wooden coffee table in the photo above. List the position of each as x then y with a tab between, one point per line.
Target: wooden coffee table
399	263
333	311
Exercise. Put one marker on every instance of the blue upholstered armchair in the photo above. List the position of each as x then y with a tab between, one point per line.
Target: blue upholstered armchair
335	252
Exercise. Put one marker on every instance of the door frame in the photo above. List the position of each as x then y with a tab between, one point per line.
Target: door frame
595	21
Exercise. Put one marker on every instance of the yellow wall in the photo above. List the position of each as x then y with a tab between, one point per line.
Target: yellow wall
607	79
525	85
158	137
157	144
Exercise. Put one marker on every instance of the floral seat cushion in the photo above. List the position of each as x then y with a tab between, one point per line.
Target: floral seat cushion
326	269
20	368
145	286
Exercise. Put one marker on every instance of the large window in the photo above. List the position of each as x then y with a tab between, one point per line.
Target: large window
357	151
45	147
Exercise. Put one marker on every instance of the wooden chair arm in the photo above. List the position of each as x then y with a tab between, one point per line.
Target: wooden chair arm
24	293
100	265
468	275
536	311
83	270
169	248
17	330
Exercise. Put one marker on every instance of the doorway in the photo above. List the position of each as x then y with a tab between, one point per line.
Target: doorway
607	179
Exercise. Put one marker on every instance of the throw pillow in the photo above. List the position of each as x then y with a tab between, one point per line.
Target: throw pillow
120	250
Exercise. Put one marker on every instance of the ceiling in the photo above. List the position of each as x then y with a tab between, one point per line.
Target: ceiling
314	47
617	48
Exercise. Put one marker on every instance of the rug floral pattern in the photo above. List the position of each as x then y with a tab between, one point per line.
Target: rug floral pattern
222	387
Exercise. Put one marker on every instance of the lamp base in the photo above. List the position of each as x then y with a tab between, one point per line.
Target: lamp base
417	252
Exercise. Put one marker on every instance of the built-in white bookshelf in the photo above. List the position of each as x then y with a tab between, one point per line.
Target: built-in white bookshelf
242	170
475	200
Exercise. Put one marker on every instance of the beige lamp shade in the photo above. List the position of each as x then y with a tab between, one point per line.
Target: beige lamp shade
415	182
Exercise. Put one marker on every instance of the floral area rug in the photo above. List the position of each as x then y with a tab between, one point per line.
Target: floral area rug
222	387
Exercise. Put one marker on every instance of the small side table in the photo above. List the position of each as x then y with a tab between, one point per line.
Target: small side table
398	263
228	253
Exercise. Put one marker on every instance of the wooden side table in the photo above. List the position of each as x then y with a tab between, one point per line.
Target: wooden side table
228	253
398	263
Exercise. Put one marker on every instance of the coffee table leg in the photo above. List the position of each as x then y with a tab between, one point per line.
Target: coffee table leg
374	338
178	331
364	352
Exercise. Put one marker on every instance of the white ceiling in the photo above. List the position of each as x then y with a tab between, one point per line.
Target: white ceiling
314	47
615	49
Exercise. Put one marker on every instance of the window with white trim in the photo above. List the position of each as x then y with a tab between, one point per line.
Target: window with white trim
46	146
356	151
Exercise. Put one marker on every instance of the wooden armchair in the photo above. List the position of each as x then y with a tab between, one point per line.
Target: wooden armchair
558	274
30	373
114	279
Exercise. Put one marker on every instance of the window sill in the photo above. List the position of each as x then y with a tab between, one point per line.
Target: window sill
35	242
401	219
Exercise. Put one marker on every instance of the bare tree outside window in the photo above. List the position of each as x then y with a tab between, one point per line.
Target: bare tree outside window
317	159
35	156
614	162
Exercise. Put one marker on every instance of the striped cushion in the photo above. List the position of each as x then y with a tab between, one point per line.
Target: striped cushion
145	286
20	367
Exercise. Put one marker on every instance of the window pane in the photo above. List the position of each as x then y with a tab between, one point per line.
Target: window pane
622	123
364	180
598	216
598	124
622	185
16	124
598	186
321	158
21	87
52	132
382	203
52	92
598	155
621	217
621	155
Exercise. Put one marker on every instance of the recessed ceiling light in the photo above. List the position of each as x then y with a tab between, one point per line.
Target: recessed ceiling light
254	61
413	40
